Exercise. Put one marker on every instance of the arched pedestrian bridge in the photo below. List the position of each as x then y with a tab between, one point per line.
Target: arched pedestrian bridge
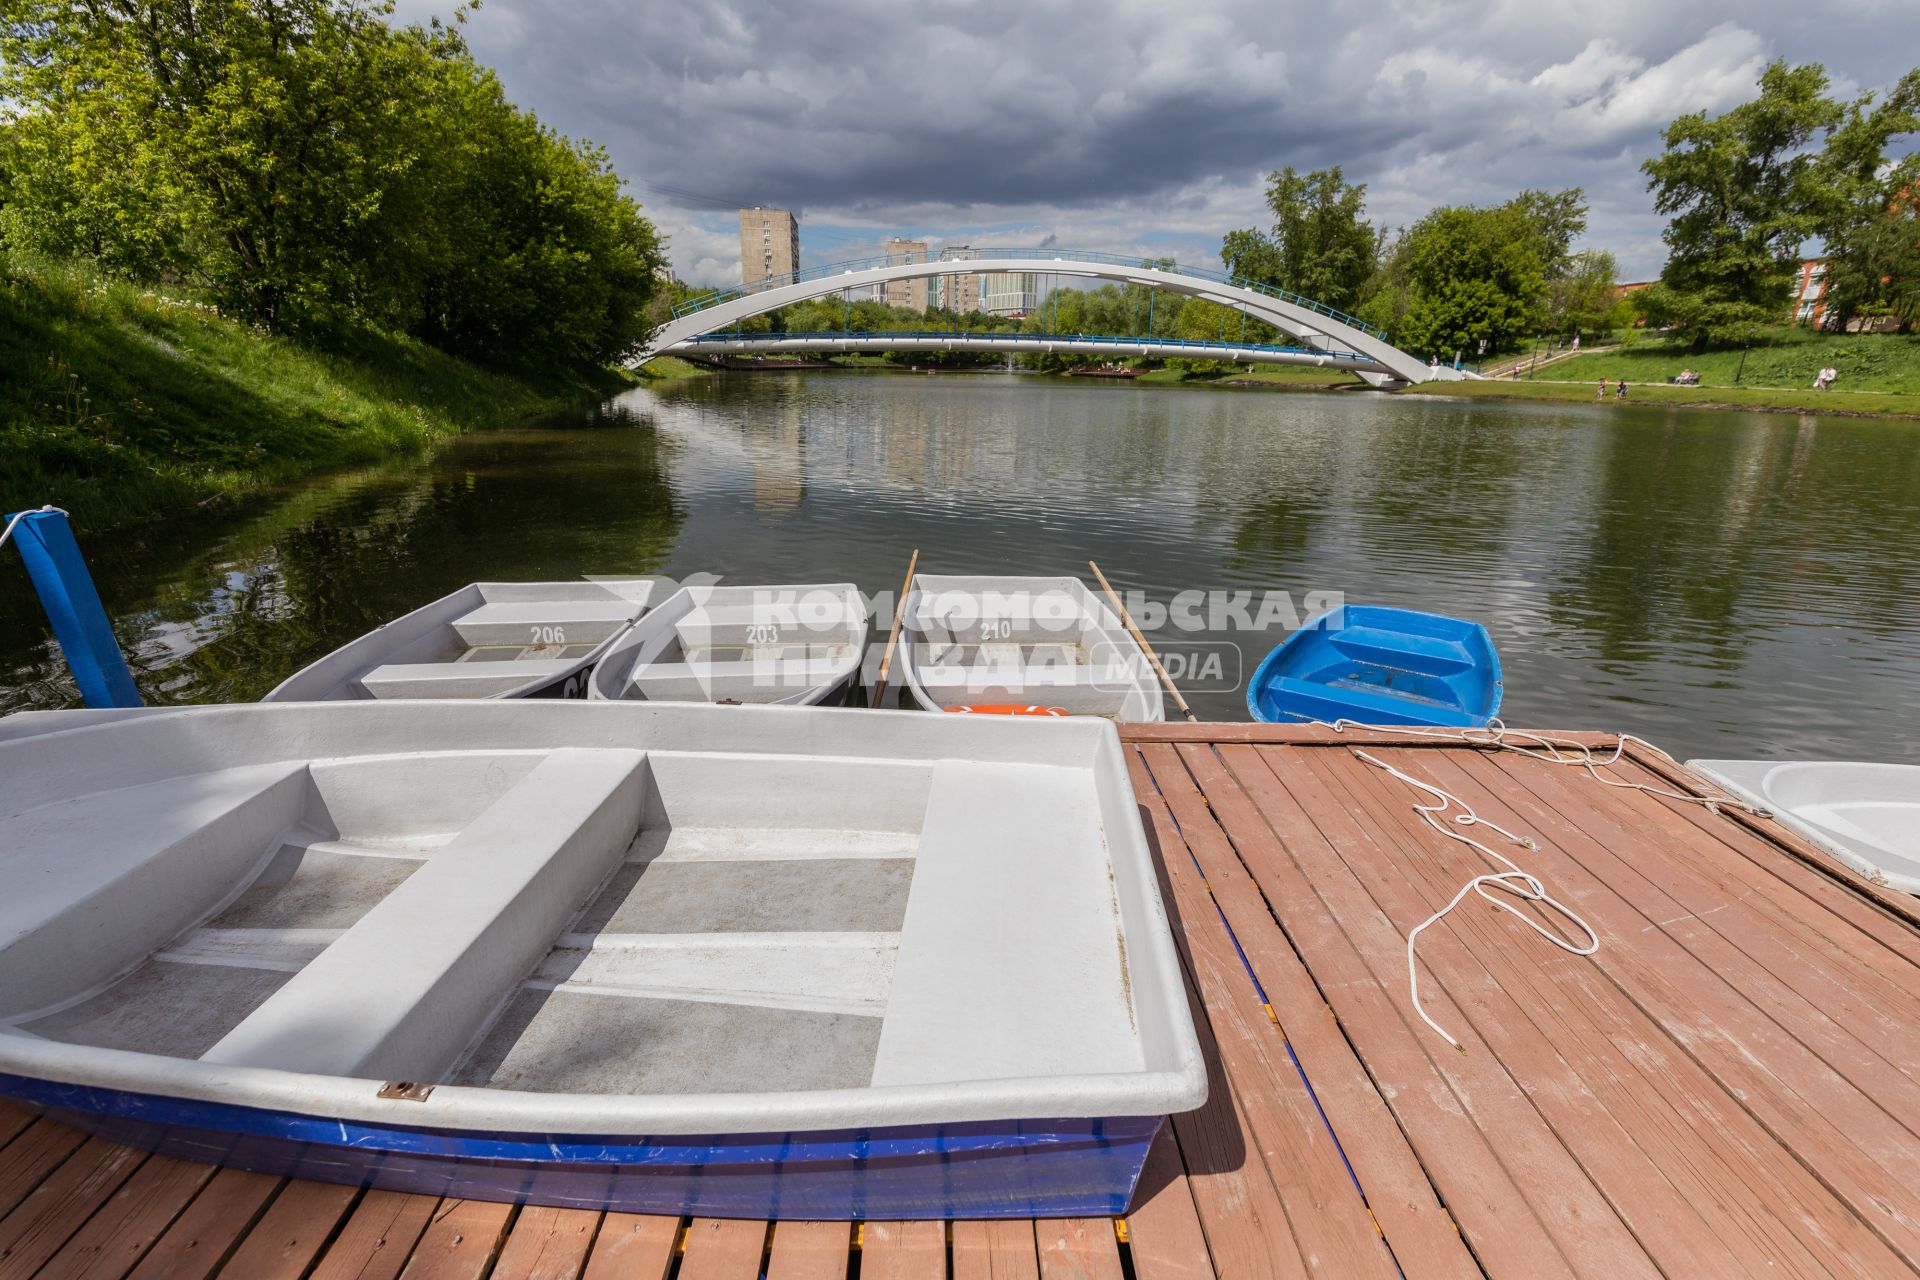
830	342
1318	328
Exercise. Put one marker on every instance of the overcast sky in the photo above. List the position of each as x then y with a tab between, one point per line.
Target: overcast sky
1135	127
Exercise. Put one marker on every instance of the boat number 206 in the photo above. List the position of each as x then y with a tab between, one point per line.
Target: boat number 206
549	635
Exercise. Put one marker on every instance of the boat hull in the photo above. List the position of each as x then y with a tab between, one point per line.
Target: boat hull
1368	664
984	1169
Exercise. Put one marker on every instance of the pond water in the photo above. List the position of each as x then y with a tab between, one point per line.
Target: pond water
1724	584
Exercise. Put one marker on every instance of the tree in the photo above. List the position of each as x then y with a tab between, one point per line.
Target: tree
1475	280
1320	246
1742	190
1582	297
1859	194
304	163
1887	253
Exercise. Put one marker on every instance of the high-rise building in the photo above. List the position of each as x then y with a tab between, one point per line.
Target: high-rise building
1009	293
769	246
959	293
911	294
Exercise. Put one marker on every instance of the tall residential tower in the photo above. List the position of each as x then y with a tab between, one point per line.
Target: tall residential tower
769	246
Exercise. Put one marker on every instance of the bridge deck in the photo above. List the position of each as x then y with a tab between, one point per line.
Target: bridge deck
1728	1087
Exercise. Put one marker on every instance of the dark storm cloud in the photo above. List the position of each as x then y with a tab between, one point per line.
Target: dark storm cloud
1131	125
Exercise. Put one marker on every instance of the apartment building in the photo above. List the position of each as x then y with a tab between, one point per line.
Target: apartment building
769	245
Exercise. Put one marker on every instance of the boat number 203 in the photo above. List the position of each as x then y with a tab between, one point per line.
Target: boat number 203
763	633
549	635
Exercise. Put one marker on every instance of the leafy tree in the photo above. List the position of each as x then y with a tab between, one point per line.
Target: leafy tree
1475	278
1859	198
1582	297
1883	259
1320	245
1555	219
1743	192
303	162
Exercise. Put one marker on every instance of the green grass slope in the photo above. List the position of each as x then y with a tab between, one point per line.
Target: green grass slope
120	403
1781	358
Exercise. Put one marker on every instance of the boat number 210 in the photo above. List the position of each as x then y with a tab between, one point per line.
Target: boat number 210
549	635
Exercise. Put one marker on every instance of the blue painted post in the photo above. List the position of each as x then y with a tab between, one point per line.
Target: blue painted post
73	607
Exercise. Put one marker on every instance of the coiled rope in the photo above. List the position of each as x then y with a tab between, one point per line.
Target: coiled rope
1560	751
1512	882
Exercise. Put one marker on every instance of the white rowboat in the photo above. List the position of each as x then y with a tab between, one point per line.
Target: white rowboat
793	645
1867	815
742	962
1048	642
486	640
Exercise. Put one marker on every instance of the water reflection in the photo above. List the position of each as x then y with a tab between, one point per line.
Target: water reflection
1723	583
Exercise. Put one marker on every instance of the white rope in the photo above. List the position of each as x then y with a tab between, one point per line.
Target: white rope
18	516
1513	882
1561	751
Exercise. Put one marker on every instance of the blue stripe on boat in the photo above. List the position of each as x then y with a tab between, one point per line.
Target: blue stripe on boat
981	1169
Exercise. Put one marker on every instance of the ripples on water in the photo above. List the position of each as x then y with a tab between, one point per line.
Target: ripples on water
1726	584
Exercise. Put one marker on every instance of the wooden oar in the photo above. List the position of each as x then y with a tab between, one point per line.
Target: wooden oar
1152	657
899	614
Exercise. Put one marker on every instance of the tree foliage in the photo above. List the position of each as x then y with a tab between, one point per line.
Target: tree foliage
1474	282
305	162
1320	245
1743	190
1583	297
1865	214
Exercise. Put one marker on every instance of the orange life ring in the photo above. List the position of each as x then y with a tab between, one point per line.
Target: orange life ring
1008	709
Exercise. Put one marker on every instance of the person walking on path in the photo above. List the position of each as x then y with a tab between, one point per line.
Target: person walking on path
1601	394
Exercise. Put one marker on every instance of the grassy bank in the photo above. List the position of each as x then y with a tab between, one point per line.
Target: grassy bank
120	403
666	368
1281	377
1773	400
1779	358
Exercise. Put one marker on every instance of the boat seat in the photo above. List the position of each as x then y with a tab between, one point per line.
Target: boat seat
1307	700
459	679
143	863
582	621
1402	650
402	992
697	682
1010	876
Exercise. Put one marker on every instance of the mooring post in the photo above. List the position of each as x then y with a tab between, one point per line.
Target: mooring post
73	607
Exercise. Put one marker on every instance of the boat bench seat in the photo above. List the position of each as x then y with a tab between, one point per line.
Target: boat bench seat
1402	650
686	681
146	860
459	679
1329	703
401	993
581	622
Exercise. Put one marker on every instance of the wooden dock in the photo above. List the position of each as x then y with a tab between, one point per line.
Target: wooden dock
1729	1086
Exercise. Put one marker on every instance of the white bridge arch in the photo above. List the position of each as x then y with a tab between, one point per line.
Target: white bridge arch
1315	325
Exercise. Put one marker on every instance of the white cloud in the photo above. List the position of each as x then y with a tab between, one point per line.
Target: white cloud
1133	127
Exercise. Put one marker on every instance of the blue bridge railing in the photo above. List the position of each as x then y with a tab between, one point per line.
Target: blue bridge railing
962	337
718	296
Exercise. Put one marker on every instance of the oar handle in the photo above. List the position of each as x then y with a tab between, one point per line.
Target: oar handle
893	635
1141	640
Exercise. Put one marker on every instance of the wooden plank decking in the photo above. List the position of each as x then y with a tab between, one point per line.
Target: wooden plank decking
1730	1086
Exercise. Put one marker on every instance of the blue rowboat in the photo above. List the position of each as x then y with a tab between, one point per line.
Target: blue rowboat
1375	665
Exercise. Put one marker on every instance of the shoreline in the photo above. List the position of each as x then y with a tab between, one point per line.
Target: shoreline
1889	405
